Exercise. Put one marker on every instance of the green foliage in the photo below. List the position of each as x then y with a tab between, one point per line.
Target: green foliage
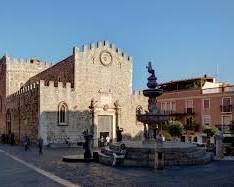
210	131
193	120
174	128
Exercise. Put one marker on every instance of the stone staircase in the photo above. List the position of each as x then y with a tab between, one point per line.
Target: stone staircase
145	156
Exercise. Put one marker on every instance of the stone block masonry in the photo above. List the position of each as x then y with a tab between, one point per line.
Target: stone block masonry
53	101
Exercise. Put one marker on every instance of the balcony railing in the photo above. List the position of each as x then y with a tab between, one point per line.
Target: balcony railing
226	108
188	111
226	129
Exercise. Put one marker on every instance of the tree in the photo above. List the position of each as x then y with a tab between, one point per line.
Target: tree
210	131
174	128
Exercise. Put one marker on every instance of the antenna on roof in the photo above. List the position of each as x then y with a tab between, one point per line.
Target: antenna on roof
217	71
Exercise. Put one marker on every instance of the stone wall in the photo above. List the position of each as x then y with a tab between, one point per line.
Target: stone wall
109	79
23	107
51	95
138	100
2	92
19	71
14	74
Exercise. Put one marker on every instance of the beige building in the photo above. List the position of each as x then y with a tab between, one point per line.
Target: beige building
91	89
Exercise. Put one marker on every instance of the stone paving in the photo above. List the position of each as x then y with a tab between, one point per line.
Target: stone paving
15	174
217	173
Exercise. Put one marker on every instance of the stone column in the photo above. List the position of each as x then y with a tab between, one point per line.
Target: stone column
117	117
92	130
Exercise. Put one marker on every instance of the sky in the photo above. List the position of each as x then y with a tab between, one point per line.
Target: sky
182	38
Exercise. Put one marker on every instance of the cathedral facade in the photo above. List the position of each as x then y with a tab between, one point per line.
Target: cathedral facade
89	90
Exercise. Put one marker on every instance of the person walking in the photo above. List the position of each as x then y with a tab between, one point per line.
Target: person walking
25	142
108	140
12	139
28	142
102	141
40	145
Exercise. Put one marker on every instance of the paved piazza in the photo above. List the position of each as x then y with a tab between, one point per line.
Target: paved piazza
14	173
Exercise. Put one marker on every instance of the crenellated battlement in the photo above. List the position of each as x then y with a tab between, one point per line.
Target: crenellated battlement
27	64
100	44
44	85
24	90
53	84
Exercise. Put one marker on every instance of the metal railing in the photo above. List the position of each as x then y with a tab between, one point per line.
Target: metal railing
226	108
191	127
189	111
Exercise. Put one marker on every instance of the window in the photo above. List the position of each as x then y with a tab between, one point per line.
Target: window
189	103
226	101
63	114
206	103
189	106
168	106
189	121
163	106
226	105
226	119
173	106
206	119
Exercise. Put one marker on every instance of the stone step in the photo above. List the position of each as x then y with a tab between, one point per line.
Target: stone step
192	155
203	160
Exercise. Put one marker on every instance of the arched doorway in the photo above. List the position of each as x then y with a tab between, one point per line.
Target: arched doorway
8	122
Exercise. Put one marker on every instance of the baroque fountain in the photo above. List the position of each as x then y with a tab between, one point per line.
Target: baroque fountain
153	119
152	151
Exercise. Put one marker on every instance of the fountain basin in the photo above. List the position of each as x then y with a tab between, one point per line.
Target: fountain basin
143	155
152	92
150	118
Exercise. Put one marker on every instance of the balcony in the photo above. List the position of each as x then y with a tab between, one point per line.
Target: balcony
226	129
189	111
226	108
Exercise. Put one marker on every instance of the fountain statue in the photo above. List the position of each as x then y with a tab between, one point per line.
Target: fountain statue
153	118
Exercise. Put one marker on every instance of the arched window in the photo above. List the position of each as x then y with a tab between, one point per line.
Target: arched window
62	114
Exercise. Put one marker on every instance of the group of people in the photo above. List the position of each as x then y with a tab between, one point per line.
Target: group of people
105	141
8	139
27	143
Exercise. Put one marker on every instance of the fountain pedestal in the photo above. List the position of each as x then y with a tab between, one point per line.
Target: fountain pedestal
153	118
